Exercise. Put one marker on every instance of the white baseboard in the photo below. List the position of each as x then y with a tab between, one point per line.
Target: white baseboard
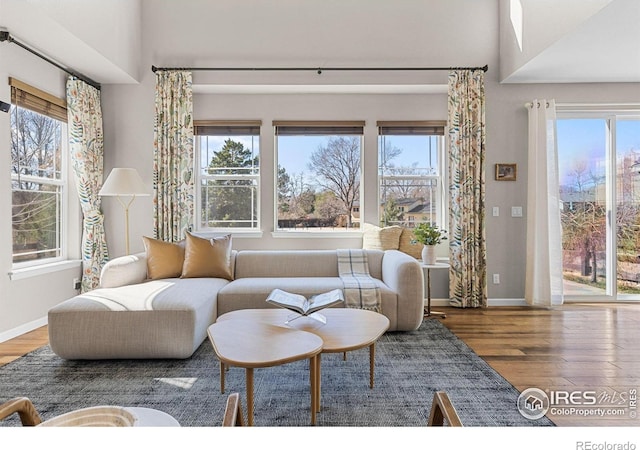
22	329
490	302
507	302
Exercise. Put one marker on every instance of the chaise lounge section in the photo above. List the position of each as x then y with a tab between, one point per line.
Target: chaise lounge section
132	317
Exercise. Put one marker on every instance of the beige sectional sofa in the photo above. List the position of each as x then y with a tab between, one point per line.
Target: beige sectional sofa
131	317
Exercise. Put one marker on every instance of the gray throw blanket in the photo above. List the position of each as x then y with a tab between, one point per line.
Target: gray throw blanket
360	288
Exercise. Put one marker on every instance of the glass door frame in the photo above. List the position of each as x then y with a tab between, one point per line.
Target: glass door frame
610	117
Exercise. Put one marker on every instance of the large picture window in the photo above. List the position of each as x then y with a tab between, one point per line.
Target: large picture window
228	175
38	174
410	168
318	175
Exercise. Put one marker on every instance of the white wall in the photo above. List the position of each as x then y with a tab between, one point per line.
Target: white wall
100	39
255	33
320	32
112	27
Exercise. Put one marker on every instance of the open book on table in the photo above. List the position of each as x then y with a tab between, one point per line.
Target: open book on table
302	305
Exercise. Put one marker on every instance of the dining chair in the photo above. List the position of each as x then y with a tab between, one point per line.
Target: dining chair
443	412
233	412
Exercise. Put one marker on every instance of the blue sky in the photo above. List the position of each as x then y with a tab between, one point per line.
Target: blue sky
584	140
294	152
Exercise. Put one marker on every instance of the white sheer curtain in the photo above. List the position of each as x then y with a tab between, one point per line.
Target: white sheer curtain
543	285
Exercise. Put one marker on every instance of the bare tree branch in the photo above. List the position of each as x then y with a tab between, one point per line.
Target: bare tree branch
337	166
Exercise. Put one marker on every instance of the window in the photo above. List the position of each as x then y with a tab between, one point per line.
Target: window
228	174
38	175
599	177
318	175
410	168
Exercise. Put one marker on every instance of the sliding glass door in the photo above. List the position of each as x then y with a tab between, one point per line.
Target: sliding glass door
627	256
599	170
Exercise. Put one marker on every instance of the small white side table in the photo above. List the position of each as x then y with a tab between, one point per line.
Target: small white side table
427	268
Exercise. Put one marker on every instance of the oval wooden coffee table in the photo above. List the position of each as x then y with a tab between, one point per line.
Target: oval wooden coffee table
252	344
346	329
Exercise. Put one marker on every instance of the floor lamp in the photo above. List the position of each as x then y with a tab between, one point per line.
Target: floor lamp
124	183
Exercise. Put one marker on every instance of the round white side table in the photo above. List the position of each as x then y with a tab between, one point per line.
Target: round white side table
147	417
427	268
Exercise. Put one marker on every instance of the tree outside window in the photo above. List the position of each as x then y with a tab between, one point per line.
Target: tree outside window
37	184
319	178
228	176
410	174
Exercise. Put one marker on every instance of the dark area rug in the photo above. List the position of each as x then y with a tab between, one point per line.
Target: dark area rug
410	367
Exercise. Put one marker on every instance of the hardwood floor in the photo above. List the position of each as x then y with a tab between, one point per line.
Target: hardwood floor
575	347
17	347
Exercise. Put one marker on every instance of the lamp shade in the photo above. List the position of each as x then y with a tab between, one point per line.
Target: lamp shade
123	181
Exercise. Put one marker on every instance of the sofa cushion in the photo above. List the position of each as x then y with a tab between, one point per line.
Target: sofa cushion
164	259
297	263
210	258
246	293
130	269
406	245
376	238
292	263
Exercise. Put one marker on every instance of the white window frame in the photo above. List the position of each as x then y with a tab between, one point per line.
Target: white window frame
442	166
199	178
63	184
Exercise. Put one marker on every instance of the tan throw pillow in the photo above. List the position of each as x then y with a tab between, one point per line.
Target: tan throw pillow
207	258
376	238
164	259
407	247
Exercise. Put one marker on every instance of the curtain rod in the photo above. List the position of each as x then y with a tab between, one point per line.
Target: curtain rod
5	36
318	70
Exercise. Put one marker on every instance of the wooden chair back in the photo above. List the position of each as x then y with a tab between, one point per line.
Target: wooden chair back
442	410
25	409
233	412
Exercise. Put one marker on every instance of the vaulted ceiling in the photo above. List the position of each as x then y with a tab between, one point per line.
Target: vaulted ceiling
571	41
540	41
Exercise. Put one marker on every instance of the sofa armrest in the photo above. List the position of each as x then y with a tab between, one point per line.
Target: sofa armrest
124	270
403	274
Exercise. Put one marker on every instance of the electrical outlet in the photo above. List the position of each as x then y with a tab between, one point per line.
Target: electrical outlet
496	278
77	284
496	211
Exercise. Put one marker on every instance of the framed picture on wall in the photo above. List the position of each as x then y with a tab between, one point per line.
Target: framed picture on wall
506	172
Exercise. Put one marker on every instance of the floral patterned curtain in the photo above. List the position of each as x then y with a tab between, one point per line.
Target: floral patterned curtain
173	156
84	116
467	244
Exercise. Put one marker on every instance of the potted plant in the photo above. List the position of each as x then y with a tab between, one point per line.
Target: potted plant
429	236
